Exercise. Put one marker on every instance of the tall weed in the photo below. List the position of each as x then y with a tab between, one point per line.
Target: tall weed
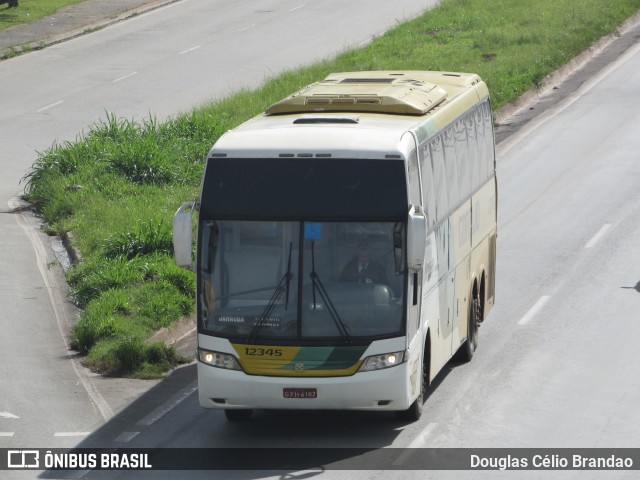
142	239
88	280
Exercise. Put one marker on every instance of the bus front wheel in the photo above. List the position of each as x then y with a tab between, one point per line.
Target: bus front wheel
414	412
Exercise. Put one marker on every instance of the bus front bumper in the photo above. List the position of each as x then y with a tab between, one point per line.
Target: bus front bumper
388	389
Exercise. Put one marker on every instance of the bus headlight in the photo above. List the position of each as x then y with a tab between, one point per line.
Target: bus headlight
217	359
378	362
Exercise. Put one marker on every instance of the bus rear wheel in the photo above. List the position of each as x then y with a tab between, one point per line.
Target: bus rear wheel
238	415
471	343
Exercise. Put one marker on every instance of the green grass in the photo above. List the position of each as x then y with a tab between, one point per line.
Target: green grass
30	10
117	187
129	355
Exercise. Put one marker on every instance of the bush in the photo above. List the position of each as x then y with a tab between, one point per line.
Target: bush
102	319
166	270
161	354
159	303
90	279
129	355
120	355
136	309
90	330
143	239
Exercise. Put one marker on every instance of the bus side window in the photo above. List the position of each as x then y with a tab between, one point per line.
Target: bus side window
428	187
483	161
474	160
489	146
439	178
462	158
442	248
414	180
453	186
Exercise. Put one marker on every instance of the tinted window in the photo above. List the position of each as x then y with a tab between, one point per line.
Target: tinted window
288	188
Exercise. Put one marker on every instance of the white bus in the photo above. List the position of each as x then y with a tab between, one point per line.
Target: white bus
346	244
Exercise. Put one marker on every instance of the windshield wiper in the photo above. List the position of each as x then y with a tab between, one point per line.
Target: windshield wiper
282	287
317	284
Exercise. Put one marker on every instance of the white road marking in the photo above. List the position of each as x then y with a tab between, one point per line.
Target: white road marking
596	238
124	76
125	437
533	311
71	434
7	415
418	442
297	8
172	403
49	106
244	29
190	332
6	434
190	49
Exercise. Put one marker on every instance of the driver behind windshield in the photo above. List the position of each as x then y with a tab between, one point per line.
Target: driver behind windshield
362	269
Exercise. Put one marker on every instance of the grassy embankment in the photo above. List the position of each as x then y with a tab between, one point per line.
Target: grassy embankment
117	187
28	11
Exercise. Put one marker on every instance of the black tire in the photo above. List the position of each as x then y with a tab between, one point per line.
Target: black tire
414	412
238	415
471	343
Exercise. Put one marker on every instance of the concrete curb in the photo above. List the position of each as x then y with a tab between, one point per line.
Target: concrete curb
75	256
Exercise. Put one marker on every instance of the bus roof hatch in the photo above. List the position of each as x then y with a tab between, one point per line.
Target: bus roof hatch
375	92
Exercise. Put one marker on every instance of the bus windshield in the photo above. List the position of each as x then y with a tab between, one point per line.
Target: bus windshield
301	280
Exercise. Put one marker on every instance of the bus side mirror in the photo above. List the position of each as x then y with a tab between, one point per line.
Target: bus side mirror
182	241
416	238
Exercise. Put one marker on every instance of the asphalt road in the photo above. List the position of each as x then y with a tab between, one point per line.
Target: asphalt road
557	362
161	63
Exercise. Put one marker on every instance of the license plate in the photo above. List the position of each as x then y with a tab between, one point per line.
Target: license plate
300	393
